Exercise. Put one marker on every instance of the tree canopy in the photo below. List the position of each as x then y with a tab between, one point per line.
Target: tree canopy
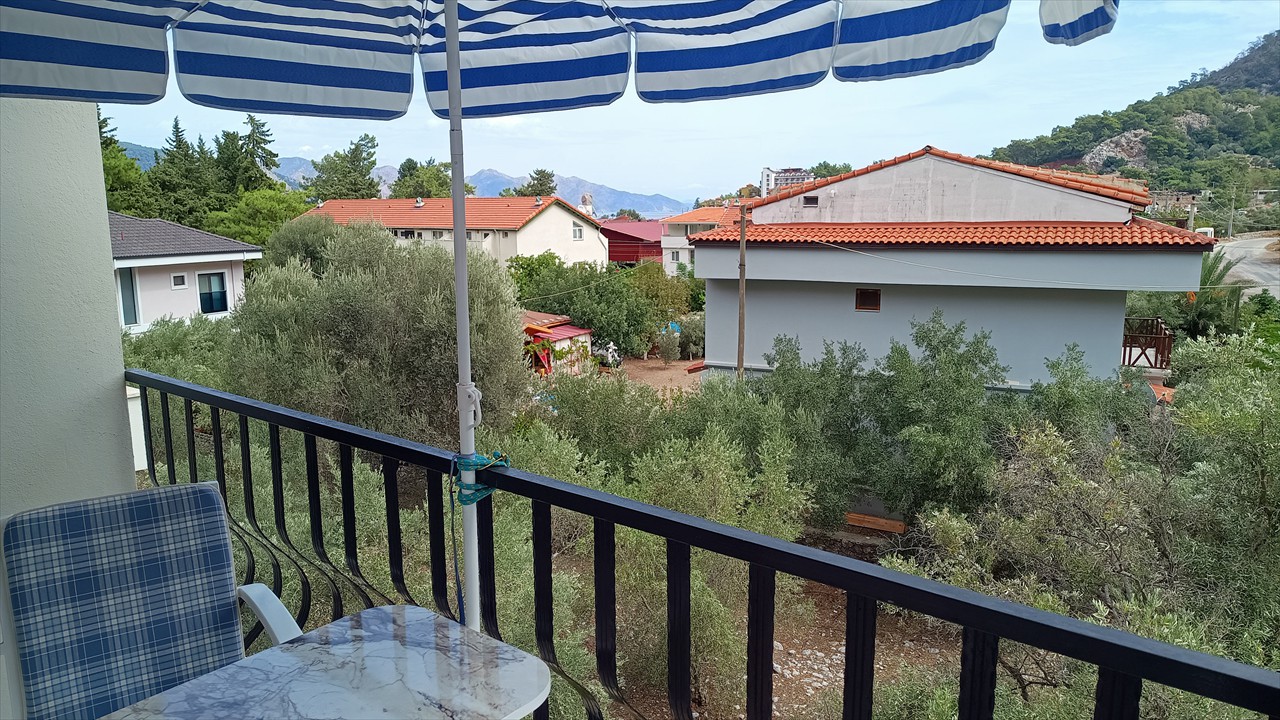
828	169
426	180
346	174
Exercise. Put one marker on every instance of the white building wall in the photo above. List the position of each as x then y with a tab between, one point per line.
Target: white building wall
552	230
932	189
675	244
1027	325
64	426
157	298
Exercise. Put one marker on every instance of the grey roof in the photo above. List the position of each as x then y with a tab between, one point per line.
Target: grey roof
133	237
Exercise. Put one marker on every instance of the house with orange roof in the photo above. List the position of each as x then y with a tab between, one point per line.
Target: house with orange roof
1039	258
677	229
503	226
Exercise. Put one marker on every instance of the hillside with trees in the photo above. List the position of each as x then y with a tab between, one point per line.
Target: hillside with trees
1215	135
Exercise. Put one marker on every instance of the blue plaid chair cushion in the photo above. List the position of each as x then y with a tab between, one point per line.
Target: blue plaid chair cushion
118	598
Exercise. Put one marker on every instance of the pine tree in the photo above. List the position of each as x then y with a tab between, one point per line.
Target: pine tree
184	179
541	182
257	146
346	173
128	190
425	180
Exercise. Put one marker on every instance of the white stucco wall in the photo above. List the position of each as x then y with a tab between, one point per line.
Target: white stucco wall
64	427
1027	325
932	189
675	240
157	298
552	230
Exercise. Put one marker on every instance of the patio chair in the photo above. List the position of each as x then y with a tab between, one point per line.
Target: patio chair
114	599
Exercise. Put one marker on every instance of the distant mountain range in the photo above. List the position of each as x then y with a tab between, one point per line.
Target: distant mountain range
295	171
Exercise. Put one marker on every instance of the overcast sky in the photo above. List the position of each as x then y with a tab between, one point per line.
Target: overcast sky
1024	88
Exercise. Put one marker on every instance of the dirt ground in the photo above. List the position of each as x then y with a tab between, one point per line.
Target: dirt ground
809	659
1258	255
657	374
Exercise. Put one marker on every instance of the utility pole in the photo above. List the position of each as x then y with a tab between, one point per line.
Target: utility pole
742	287
1191	215
1231	219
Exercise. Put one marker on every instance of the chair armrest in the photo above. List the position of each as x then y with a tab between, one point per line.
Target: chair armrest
272	613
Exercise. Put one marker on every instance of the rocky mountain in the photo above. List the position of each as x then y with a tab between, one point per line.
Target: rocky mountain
1219	128
295	171
1257	68
607	200
146	156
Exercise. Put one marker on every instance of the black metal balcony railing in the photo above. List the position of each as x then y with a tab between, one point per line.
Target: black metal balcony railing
1124	661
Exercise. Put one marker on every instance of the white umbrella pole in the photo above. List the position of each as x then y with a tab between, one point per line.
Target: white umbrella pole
468	395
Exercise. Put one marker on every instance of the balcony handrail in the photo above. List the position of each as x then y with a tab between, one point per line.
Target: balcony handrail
1123	653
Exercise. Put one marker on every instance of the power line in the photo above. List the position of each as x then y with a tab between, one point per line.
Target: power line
1167	288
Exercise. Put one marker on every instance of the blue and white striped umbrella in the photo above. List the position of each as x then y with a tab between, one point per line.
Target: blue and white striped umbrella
355	58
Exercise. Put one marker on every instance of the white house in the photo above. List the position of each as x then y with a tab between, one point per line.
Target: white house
503	226
676	230
1040	258
166	269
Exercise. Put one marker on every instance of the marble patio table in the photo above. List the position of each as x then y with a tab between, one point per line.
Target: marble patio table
389	662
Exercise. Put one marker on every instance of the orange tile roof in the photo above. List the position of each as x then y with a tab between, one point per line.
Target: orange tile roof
501	213
1139	232
1133	192
717	215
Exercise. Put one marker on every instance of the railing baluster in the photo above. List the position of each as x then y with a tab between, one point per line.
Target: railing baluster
147	441
219	456
859	656
543	610
317	519
679	680
246	475
277	482
605	559
760	606
350	545
978	654
542	590
1117	696
395	546
435	539
168	438
189	419
488	580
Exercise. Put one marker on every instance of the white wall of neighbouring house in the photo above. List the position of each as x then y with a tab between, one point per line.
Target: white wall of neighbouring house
932	189
64	425
1027	325
157	297
552	230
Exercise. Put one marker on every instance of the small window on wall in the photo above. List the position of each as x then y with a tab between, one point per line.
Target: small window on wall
867	300
811	201
437	234
675	256
577	231
178	281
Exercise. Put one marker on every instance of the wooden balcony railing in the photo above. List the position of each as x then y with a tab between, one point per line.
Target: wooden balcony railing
1148	343
368	576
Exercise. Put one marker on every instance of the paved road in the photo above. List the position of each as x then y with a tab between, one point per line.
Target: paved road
1258	266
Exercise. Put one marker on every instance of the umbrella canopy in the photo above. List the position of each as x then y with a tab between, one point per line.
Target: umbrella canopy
355	58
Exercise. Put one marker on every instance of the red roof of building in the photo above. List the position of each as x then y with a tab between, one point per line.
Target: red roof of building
1139	232
500	213
702	215
641	231
541	319
564	332
1133	192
